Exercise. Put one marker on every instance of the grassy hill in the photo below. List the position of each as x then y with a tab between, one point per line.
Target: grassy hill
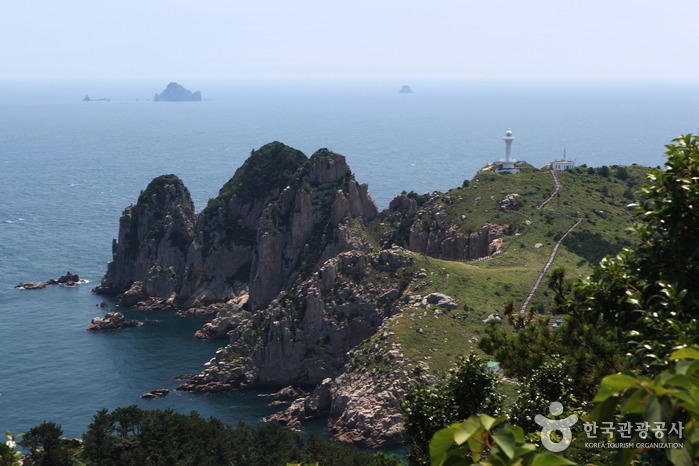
436	336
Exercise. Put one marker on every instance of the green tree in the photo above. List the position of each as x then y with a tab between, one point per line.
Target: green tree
131	436
547	384
469	389
647	295
46	446
621	173
9	456
671	398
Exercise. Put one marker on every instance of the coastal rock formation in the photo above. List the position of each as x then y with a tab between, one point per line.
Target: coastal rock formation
448	242
154	238
304	336
306	407
222	323
422	225
111	321
283	258
365	412
159	393
308	335
176	93
279	217
360	410
361	404
285	396
69	279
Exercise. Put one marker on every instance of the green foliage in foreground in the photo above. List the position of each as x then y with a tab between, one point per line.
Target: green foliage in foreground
9	456
46	446
647	301
671	398
132	436
470	389
476	439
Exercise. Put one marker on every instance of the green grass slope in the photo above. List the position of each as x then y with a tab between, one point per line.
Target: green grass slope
482	287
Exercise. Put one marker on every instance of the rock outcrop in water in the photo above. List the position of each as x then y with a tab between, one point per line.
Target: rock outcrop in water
150	254
111	321
69	279
176	93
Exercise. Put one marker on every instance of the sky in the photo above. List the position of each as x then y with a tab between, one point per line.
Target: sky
358	40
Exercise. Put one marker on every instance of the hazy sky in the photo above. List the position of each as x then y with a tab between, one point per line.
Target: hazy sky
402	40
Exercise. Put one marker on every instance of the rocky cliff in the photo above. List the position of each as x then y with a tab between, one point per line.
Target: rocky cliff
309	335
422	224
279	217
154	238
303	337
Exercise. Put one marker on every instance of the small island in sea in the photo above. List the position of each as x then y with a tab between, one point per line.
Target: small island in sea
88	99
406	90
176	93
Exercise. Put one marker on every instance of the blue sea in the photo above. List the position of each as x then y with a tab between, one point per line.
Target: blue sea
68	168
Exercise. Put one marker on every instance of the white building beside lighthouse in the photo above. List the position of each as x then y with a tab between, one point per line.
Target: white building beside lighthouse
507	165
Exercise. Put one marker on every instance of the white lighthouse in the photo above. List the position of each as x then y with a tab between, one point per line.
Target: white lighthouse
507	165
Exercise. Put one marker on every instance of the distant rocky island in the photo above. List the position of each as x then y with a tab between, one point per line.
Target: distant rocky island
88	99
176	93
406	90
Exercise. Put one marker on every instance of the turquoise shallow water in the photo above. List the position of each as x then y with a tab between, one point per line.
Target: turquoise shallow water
68	169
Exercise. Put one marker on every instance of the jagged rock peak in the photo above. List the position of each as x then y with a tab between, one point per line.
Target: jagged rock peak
269	168
327	167
176	93
154	236
278	218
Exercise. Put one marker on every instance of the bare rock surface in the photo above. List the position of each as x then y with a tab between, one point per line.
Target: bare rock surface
111	321
304	336
422	225
69	279
158	393
440	300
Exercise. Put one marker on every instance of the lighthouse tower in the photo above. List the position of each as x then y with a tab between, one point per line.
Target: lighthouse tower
507	165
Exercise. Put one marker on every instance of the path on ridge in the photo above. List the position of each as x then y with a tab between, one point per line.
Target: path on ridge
556	190
547	265
557	186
